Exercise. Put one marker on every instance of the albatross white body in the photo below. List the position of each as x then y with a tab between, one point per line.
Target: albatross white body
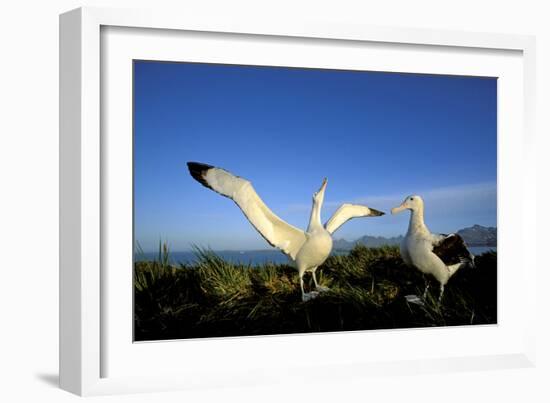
435	254
306	249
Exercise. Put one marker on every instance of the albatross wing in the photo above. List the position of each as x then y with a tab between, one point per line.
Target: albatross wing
348	211
451	249
275	231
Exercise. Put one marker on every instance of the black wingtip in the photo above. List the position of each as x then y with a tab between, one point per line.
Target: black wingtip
198	171
375	213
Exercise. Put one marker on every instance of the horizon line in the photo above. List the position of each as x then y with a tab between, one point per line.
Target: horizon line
275	249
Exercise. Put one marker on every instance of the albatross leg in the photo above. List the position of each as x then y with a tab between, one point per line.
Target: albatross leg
301	274
427	283
318	287
442	289
306	296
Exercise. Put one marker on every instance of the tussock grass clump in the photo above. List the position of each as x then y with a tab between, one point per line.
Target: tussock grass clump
214	298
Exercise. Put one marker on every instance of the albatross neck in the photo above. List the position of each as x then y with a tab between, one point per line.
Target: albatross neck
315	218
416	223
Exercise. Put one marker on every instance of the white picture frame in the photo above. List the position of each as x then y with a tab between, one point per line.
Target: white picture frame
87	343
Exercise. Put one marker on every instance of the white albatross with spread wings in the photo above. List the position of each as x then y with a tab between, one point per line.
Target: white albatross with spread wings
306	249
440	255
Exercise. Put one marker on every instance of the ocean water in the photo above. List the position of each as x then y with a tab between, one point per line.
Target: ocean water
479	250
255	257
252	257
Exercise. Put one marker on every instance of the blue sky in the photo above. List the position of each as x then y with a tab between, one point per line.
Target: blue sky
376	136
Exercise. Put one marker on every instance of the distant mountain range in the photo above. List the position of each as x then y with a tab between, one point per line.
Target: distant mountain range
479	235
367	240
476	235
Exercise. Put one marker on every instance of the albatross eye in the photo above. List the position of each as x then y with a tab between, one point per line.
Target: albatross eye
411	199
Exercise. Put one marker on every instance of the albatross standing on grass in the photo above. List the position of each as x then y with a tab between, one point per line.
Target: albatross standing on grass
306	249
437	254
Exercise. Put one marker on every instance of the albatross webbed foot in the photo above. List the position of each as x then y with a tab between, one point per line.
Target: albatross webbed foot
309	295
321	288
415	299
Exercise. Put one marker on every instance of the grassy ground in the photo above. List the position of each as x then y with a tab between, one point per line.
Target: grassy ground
367	291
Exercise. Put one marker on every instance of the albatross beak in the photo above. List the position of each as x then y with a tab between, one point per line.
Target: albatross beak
398	209
324	185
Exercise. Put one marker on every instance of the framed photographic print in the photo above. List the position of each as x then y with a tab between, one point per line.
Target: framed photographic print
238	196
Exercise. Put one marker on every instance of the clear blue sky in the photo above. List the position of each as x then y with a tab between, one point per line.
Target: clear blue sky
377	137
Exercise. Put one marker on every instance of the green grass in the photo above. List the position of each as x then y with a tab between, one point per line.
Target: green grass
215	298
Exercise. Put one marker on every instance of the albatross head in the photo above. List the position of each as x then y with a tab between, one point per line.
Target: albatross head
319	196
413	203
